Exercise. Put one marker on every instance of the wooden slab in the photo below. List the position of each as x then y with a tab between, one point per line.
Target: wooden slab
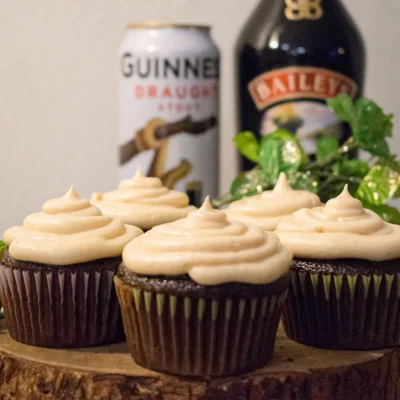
296	372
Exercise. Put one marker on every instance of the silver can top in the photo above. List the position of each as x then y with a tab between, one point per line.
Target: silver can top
166	25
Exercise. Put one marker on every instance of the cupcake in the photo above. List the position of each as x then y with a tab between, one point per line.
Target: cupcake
56	275
144	202
203	296
269	208
345	277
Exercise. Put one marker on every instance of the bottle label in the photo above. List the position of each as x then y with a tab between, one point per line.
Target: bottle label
293	99
305	119
299	82
303	9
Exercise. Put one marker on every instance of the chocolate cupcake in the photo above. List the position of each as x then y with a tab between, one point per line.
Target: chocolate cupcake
144	202
345	277
56	275
269	208
203	296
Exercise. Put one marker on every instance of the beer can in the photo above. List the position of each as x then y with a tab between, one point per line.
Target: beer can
168	106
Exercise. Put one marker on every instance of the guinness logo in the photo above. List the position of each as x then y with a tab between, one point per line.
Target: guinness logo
303	9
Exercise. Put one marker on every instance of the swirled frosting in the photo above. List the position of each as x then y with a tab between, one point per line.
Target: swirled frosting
68	230
340	229
144	202
210	249
267	209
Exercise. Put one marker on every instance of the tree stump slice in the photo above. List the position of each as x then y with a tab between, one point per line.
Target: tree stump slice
296	372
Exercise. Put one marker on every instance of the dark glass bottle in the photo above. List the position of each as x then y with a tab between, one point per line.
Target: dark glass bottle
291	56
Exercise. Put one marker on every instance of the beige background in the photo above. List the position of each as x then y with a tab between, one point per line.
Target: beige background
58	85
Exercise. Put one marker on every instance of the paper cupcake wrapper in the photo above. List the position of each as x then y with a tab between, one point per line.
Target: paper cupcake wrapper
343	311
196	336
61	309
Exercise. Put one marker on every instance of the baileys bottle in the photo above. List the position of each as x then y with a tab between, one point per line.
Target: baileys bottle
292	55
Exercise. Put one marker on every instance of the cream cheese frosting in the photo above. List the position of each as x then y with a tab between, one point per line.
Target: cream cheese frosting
269	208
68	230
340	229
210	249
144	202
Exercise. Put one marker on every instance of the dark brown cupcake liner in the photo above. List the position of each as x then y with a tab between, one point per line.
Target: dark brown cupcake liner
198	336
343	311
50	308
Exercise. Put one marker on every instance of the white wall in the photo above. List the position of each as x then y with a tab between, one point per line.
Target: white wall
58	86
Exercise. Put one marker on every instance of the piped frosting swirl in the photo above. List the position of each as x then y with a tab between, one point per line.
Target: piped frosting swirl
68	230
144	202
210	249
267	209
340	229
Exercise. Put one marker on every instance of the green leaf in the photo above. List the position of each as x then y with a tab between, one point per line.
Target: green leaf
303	181
246	184
381	183
331	188
351	168
249	183
378	148
387	213
347	171
280	152
2	247
343	107
326	145
225	199
371	127
247	144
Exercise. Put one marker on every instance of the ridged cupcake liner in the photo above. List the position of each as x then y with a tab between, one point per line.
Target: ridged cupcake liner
61	308
343	311
198	336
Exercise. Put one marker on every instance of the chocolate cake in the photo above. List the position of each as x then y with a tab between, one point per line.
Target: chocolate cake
203	296
61	305
183	285
348	266
56	275
345	277
344	304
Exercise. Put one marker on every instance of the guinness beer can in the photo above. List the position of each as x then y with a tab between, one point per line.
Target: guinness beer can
168	105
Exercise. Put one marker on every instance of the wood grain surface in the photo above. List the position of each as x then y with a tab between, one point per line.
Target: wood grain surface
296	372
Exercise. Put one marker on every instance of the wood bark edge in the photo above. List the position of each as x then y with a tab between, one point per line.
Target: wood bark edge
371	380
